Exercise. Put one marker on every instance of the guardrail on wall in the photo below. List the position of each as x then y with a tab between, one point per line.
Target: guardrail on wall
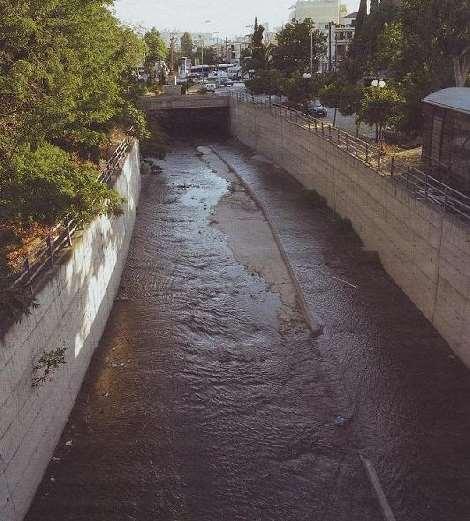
422	185
43	256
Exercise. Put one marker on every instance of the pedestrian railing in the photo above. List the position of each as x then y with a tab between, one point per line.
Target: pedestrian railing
421	184
43	255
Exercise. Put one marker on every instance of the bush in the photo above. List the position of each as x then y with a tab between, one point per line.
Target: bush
46	185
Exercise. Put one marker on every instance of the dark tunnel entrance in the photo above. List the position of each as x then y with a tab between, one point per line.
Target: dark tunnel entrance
194	122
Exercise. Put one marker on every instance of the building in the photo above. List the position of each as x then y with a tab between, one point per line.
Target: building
348	19
446	136
320	11
208	39
332	19
339	38
231	50
184	67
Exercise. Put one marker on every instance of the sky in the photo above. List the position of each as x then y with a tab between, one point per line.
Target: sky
222	17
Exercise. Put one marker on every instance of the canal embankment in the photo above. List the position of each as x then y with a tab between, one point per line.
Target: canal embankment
60	333
424	249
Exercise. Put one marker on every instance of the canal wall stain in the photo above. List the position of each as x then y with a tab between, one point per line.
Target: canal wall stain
426	252
73	306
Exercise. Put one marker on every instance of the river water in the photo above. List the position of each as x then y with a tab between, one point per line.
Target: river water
208	398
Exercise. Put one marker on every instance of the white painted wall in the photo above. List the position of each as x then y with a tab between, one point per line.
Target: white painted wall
74	304
426	251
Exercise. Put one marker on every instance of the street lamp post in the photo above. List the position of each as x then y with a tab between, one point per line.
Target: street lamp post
380	84
330	50
308	75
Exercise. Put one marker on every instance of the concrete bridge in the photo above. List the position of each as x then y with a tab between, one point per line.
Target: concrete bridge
189	115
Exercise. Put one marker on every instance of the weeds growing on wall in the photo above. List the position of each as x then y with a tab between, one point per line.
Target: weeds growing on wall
49	362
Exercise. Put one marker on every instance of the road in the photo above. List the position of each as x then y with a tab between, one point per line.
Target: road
209	397
342	122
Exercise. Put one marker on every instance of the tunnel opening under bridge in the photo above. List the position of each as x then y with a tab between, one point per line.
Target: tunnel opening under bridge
194	122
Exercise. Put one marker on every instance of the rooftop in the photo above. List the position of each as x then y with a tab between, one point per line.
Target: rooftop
455	98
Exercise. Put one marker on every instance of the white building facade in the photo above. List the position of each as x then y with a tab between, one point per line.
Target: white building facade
332	20
320	11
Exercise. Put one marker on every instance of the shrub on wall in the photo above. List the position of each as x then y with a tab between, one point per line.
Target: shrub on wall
46	185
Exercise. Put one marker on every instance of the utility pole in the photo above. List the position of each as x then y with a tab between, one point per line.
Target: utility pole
311	53
330	25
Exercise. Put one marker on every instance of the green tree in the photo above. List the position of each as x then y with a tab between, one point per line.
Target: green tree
67	78
332	96
45	185
298	89
187	46
209	53
257	56
292	52
345	98
361	61
65	73
380	106
156	47
268	82
452	32
361	17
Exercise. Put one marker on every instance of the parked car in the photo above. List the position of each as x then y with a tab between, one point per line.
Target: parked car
210	87
316	109
239	86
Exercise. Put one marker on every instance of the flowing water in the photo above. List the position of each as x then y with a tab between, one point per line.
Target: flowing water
208	398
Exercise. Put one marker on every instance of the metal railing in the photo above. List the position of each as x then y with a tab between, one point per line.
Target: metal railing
43	255
422	185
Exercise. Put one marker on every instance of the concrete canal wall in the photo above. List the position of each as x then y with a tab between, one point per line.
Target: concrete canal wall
73	306
426	251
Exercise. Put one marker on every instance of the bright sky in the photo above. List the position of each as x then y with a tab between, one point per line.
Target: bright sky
211	16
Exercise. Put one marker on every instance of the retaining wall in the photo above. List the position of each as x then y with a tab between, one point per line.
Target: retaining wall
426	251
73	306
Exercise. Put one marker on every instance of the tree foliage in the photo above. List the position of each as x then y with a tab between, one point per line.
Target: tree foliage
362	56
380	106
292	52
45	185
298	89
156	47
187	46
452	33
67	77
418	46
279	69
266	82
257	56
